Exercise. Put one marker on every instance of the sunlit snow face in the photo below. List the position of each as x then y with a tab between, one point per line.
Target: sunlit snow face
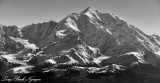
22	69
93	14
31	46
60	34
71	24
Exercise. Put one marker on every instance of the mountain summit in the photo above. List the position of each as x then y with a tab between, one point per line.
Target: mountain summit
89	41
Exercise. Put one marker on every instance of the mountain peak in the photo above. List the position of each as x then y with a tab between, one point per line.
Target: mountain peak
91	13
91	9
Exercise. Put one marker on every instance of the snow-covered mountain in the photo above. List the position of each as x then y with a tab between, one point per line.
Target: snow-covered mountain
87	39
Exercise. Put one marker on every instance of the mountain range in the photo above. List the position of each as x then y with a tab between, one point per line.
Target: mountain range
82	48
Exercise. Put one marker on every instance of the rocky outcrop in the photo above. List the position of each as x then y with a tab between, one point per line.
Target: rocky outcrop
126	59
79	54
35	33
12	31
3	63
7	41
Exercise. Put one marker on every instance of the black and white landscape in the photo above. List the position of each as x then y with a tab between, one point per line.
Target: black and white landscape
86	47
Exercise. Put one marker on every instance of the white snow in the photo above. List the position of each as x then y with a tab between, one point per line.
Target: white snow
89	15
71	60
100	59
12	59
30	46
94	49
116	17
157	41
51	61
60	34
22	69
22	41
25	43
79	57
71	24
118	42
138	55
92	12
108	31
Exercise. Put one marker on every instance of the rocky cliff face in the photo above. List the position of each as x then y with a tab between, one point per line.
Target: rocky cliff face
88	39
7	41
12	31
35	33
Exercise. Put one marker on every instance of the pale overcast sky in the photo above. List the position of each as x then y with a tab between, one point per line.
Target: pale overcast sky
144	14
